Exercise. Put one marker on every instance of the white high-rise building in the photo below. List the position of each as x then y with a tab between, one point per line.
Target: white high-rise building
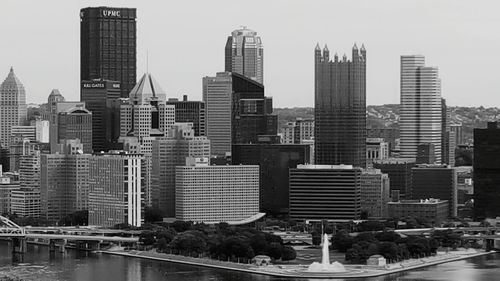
13	110
216	193
245	54
420	111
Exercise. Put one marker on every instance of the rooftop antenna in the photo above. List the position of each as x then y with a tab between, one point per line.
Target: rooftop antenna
243	26
147	61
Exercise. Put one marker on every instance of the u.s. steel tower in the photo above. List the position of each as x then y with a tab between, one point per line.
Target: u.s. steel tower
108	46
340	108
420	112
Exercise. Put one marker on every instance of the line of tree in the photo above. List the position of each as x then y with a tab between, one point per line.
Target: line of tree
220	241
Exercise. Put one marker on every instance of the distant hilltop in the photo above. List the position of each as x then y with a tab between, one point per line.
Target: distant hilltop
387	115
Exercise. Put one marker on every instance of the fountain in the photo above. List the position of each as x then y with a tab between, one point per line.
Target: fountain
325	265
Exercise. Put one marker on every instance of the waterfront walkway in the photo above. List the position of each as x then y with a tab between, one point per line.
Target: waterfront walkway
300	271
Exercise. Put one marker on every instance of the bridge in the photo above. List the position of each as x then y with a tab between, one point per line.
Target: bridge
84	238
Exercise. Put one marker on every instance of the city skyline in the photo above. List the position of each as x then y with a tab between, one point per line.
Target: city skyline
441	31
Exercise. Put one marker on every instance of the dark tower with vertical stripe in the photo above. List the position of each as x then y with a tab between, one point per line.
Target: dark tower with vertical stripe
340	108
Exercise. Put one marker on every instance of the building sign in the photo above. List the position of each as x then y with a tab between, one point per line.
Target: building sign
116	86
93	85
111	13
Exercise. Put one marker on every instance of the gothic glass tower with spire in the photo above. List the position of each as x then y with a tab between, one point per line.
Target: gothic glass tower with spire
340	108
245	54
12	107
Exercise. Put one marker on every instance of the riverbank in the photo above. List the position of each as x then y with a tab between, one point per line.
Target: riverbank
300	271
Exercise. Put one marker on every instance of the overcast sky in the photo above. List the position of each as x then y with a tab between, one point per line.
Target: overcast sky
186	40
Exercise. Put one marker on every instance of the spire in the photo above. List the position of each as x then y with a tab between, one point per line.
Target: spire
344	58
11	69
317	47
363	47
355	47
336	57
325	48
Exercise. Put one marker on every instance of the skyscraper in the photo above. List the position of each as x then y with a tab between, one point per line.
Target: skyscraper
237	111
190	111
487	171
98	96
420	111
108	45
245	54
340	108
13	110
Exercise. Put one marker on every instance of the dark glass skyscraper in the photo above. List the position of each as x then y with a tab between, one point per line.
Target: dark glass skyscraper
108	45
487	171
190	111
340	108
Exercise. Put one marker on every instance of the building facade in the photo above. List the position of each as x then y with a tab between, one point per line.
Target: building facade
115	190
274	160
376	149
486	171
420	110
433	210
108	46
399	171
375	193
13	110
325	192
98	96
244	54
168	153
216	193
192	112
340	108
436	181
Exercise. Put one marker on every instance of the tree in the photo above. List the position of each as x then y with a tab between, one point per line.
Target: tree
370	226
288	253
181	226
274	250
162	245
388	236
147	238
364	214
341	241
191	241
388	249
316	238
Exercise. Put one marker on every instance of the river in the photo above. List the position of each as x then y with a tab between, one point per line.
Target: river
41	265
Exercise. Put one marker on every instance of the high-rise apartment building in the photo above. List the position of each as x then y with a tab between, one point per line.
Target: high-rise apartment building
245	54
236	111
340	108
64	181
420	111
325	192
115	190
375	193
168	153
216	193
25	202
190	112
13	110
486	167
98	96
108	48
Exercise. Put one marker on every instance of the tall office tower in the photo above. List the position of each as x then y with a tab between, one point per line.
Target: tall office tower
375	193
98	96
115	190
487	171
19	147
146	116
237	111
459	135
108	46
70	120
25	202
245	54
376	149
420	111
435	181
216	193
274	160
325	192
340	108
399	171
168	153
48	108
448	138
64	181
190	112
13	111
